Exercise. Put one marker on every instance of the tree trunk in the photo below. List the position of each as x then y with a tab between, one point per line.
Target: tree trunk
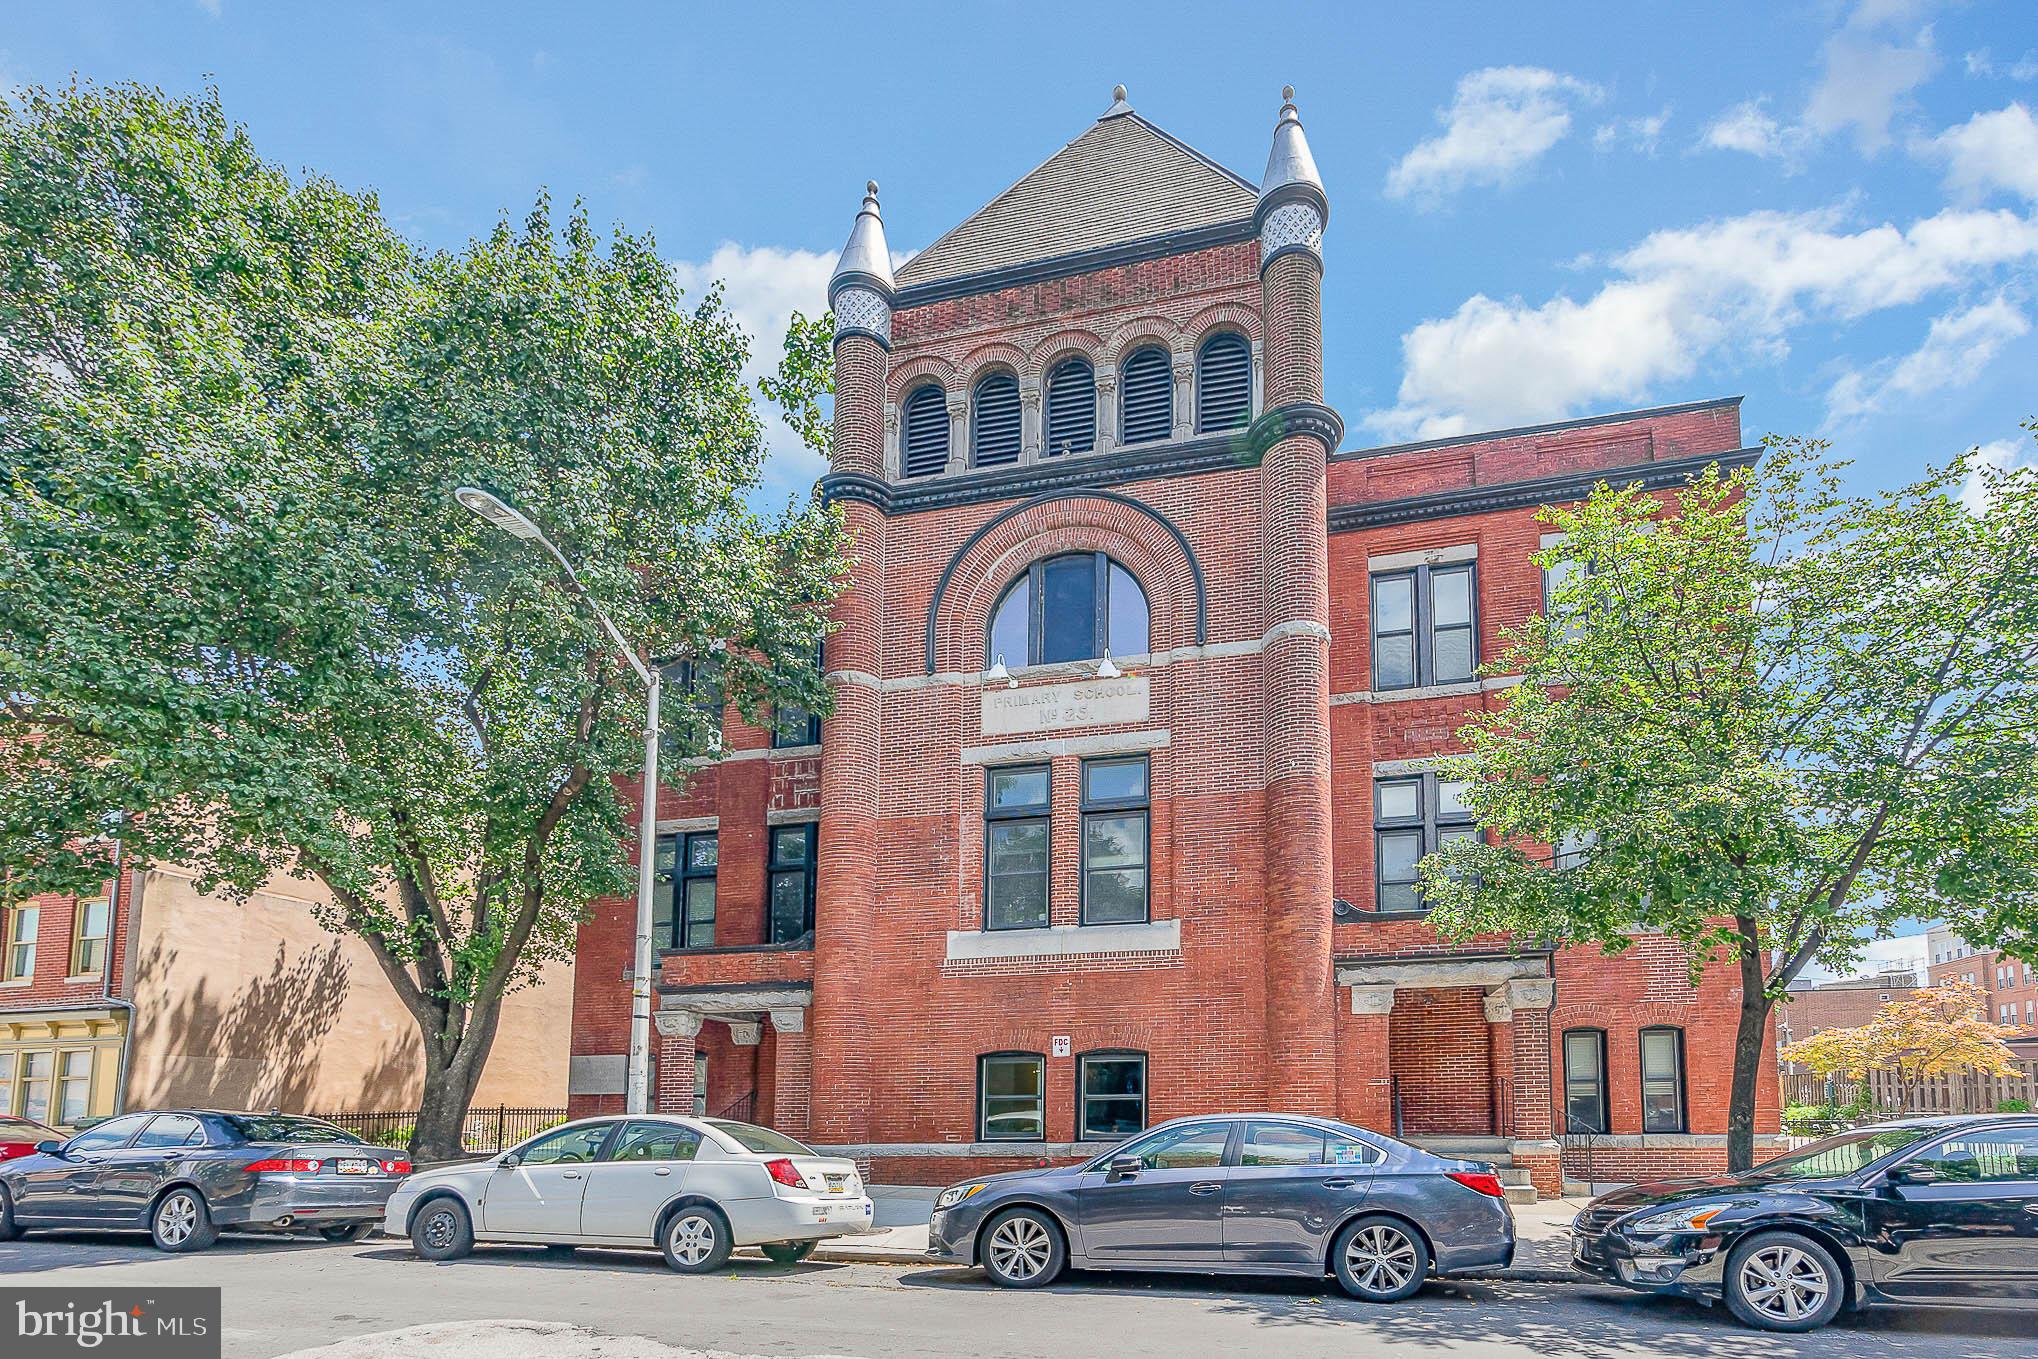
1748	1048
442	1107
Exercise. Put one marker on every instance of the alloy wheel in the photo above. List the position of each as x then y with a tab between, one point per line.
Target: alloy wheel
693	1239
1380	1258
1020	1248
176	1219
440	1229
1784	1283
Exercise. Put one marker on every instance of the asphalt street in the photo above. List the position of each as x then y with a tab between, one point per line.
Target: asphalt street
287	1295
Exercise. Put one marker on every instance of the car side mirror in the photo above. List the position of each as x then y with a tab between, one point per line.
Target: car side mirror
1124	1168
1914	1174
509	1161
49	1148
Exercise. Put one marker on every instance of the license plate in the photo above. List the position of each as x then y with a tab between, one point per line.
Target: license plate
354	1166
837	1183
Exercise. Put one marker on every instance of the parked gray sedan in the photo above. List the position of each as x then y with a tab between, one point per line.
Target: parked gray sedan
183	1175
1236	1194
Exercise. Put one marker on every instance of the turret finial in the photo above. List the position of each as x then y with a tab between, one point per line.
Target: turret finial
1291	183
1118	104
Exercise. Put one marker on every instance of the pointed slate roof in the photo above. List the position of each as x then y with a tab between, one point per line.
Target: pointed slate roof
1123	180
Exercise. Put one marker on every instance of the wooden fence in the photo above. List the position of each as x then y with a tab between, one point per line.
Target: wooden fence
1967	1093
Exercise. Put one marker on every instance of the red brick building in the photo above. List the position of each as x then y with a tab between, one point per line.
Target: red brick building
2011	986
1139	686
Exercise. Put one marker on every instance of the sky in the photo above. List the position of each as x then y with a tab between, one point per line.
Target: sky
1538	210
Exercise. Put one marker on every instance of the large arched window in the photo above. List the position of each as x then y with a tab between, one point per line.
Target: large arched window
1071	407
1224	384
1070	608
994	422
923	432
1146	396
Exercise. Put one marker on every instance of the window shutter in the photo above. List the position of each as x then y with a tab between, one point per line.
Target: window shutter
925	433
1224	384
1071	408
994	428
1148	398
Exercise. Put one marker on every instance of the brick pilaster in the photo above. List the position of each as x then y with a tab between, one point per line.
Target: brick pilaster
677	1035
791	1073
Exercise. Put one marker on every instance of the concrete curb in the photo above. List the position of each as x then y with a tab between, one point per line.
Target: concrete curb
876	1256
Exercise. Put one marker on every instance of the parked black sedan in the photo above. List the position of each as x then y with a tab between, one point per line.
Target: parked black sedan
1927	1210
184	1175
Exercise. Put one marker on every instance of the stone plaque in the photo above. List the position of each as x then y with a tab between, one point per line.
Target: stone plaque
1048	707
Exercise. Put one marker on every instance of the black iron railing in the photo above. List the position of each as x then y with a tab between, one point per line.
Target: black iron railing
482	1130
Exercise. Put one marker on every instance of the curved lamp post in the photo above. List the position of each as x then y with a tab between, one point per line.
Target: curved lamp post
513	522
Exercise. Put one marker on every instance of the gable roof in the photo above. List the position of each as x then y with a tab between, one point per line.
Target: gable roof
1123	180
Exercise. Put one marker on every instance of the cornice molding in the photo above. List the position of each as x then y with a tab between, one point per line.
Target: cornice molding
1516	495
1071	471
1297	417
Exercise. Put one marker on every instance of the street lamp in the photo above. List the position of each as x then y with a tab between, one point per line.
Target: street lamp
517	525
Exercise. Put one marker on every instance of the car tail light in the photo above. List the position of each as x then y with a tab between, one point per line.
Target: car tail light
786	1173
396	1167
282	1167
10	1150
1479	1182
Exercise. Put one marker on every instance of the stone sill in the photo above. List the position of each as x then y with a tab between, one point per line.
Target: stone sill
1066	941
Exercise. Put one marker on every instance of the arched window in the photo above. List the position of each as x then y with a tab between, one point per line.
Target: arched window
994	422
1146	396
923	432
1224	384
1071	407
1070	608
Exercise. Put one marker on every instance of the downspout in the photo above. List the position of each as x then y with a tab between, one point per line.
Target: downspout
126	938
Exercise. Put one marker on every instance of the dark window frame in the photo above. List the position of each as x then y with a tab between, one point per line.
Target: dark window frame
906	427
1422	629
1088	807
793	725
984	1060
774	870
1002	377
1063	372
1642	1076
1432	825
1042	812
1032	580
1600	1080
683	871
1224	337
695	682
1167	360
1083	1097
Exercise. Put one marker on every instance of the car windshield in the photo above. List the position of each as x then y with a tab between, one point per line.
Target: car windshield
288	1128
1842	1155
750	1137
21	1127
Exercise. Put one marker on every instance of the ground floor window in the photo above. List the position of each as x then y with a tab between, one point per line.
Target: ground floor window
683	893
700	1084
792	881
1012	1097
38	1070
1112	1102
1585	1081
1663	1080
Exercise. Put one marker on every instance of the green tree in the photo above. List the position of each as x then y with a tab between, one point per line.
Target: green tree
239	607
1769	720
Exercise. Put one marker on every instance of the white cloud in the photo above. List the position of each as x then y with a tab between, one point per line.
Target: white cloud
1956	348
1741	284
1642	133
1748	127
1906	951
1996	150
1501	119
2004	455
1980	63
762	287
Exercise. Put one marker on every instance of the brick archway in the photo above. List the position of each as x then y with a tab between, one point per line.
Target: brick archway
1138	536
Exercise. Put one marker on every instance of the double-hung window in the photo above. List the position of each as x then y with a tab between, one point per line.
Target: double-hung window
1115	841
89	920
697	685
1413	815
1012	1097
683	892
17	960
1110	1095
791	871
1016	848
1425	626
1662	1080
1585	1081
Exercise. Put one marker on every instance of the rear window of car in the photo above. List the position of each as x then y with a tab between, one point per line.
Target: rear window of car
1843	1155
288	1128
22	1129
750	1137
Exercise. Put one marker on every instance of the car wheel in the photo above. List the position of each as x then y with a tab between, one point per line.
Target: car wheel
696	1240
788	1252
181	1222
442	1230
1023	1249
10	1230
352	1231
1780	1281
1379	1259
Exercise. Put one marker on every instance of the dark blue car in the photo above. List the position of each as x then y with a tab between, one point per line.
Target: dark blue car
183	1175
1236	1194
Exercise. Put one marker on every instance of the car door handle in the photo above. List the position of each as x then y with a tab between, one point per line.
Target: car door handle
1340	1184
1206	1187
569	1175
662	1170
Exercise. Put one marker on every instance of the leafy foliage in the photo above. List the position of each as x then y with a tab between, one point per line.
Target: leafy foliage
1943	1031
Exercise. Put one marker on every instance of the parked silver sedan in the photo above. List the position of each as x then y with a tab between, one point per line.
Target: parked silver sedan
1236	1194
696	1188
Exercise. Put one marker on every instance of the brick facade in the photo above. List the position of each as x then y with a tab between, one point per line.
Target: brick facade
1253	708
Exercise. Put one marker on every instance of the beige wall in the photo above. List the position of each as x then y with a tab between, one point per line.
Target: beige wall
256	1006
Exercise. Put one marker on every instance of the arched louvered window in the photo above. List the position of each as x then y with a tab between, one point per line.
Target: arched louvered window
923	432
1146	396
1224	384
994	422
1071	407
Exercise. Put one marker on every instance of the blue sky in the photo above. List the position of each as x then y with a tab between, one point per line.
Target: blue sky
1538	210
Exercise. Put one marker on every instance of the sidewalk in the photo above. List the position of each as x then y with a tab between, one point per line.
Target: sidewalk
899	1237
